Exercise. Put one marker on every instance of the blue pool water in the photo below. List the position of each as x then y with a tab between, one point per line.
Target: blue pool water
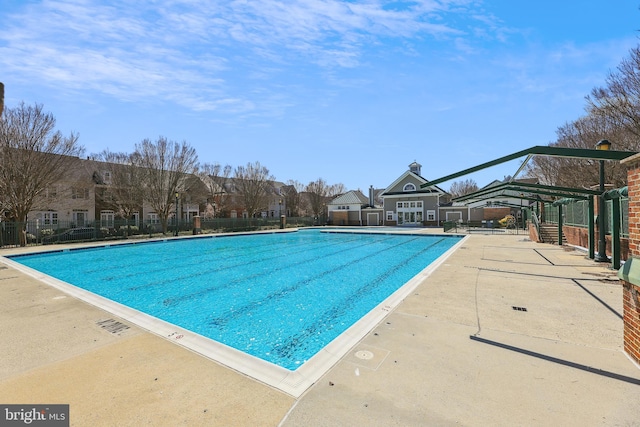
280	297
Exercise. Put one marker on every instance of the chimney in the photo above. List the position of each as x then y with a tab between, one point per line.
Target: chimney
371	196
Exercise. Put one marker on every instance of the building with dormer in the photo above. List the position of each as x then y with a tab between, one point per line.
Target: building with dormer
406	203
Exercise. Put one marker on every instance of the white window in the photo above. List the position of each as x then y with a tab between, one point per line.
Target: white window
409	212
389	215
52	191
50	218
431	215
409	187
153	218
107	219
106	177
79	193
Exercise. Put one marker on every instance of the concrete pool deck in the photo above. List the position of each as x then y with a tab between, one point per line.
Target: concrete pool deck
454	352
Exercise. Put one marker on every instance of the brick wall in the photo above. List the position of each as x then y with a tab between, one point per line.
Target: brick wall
533	233
496	213
633	184
631	291
339	218
579	236
630	295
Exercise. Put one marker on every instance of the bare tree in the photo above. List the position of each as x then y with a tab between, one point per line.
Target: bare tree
32	156
292	196
123	189
460	188
252	182
319	193
216	177
582	133
613	113
336	190
619	100
166	166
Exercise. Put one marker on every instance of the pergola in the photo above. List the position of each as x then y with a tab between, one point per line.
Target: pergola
562	195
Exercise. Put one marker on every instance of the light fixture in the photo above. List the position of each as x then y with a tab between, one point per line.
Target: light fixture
176	231
601	256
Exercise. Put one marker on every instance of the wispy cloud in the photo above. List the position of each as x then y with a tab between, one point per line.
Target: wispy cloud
186	51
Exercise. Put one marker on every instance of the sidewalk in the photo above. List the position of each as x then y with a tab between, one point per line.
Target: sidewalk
461	350
458	353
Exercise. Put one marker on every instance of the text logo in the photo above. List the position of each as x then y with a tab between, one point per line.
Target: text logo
34	415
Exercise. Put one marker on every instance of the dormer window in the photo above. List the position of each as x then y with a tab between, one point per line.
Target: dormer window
409	187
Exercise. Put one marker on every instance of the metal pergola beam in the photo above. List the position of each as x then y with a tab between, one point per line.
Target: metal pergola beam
538	189
510	205
493	195
557	188
547	190
581	153
592	154
539	192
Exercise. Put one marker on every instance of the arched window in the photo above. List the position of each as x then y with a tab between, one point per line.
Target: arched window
409	187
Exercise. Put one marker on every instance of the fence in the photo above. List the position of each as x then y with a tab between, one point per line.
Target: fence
483	227
576	214
37	233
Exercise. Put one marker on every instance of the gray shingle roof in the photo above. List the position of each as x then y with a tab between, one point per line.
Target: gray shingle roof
350	198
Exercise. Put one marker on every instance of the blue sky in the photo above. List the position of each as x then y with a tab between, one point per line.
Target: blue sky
348	91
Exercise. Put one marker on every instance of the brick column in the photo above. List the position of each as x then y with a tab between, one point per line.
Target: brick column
629	274
196	225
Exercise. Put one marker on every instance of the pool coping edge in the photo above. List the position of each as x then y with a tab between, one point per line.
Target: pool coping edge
293	383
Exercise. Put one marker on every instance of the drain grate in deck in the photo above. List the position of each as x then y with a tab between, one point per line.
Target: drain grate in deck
519	308
112	325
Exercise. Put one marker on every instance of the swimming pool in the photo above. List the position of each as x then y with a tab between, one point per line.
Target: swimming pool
279	297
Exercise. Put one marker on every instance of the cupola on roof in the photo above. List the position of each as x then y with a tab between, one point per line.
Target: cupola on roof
415	167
